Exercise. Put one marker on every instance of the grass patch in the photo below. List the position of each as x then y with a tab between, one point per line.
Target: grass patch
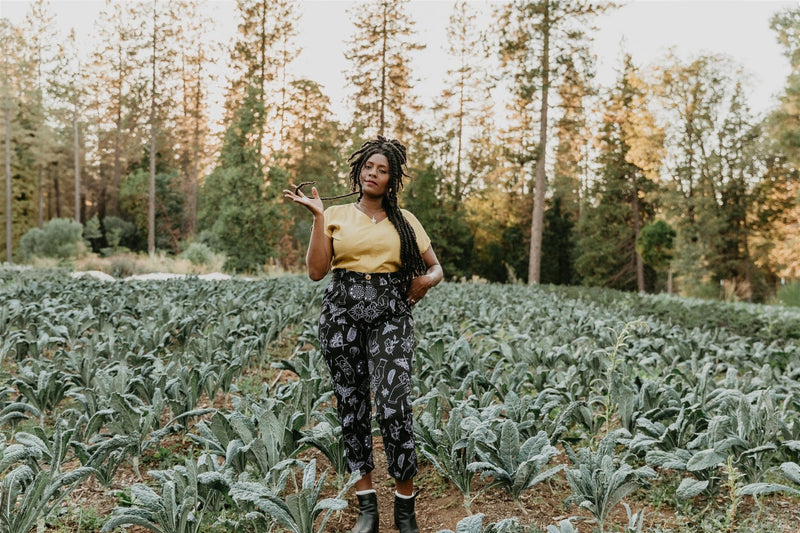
78	519
129	264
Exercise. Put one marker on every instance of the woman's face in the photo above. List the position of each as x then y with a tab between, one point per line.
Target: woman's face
375	175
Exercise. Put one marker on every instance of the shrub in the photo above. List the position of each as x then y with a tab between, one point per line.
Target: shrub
210	239
789	294
119	233
123	265
91	230
61	238
198	254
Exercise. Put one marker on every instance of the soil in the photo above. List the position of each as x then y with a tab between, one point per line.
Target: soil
440	505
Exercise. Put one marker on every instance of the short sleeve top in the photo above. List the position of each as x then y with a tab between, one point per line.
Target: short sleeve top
362	246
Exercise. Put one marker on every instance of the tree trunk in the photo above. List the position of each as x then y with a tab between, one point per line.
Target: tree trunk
383	73
7	114
56	197
748	275
540	189
40	193
637	226
195	159
117	140
77	167
151	196
39	132
282	112
262	92
458	191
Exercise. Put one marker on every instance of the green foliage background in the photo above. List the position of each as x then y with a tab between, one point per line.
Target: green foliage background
724	178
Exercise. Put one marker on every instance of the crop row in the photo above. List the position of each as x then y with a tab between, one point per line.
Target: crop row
507	378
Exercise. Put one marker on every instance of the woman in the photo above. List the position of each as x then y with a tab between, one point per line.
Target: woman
382	264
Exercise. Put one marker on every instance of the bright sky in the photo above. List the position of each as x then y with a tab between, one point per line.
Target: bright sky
645	28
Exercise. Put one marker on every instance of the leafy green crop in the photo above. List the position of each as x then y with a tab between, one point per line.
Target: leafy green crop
600	479
513	465
705	394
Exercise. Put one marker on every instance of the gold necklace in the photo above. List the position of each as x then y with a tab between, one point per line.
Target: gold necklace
361	208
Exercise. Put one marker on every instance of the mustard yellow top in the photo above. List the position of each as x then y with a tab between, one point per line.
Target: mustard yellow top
362	246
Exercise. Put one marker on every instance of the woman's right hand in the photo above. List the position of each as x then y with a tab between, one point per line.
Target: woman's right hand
313	203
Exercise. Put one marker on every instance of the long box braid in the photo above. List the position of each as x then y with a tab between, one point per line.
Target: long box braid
411	262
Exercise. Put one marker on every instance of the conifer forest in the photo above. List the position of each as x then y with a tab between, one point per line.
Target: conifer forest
616	345
523	168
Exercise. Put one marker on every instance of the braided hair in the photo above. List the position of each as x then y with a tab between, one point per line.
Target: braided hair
411	262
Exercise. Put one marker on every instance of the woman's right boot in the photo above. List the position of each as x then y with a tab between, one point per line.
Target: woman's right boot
367	513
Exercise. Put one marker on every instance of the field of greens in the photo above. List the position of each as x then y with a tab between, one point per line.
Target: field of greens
190	406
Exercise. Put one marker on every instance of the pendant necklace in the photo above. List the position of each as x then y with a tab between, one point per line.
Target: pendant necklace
372	217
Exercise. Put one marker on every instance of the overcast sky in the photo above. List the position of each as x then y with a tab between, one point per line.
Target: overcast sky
647	29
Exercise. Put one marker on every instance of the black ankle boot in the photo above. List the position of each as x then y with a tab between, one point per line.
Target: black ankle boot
404	517
367	514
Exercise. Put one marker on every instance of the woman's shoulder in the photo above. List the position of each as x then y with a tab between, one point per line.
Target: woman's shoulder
335	210
409	215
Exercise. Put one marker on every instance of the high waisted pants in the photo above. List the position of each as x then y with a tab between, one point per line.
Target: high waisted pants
366	334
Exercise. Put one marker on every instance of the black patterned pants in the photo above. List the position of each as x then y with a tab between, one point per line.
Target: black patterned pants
366	334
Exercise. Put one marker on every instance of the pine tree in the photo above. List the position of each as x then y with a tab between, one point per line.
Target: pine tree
737	146
263	49
67	87
240	198
20	205
492	207
159	46
287	50
623	193
438	213
315	153
537	36
39	29
464	100
192	124
572	133
116	85
379	52
655	244
696	97
784	121
11	47
780	184
233	207
776	216
573	138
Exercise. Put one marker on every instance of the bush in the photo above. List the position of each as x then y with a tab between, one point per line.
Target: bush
123	265
198	254
708	290
119	233
61	238
789	294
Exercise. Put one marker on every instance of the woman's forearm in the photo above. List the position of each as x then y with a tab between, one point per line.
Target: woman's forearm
435	273
320	250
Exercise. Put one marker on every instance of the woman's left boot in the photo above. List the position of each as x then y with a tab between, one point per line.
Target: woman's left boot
367	513
404	517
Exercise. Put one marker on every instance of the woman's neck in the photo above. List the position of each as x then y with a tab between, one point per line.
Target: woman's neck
371	203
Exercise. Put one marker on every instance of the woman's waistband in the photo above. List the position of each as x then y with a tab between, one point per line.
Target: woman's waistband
344	274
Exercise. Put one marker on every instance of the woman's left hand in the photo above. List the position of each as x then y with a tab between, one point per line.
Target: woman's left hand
422	284
419	288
